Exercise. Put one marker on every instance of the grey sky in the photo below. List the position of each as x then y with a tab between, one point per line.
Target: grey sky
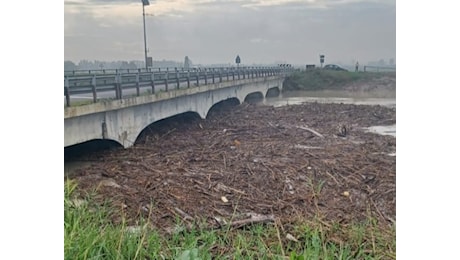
215	31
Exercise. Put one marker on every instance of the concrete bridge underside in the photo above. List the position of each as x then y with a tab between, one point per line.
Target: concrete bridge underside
123	120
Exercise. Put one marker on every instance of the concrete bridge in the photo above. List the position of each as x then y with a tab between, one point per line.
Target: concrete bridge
123	118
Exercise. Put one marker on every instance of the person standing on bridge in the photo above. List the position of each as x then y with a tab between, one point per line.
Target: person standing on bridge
357	67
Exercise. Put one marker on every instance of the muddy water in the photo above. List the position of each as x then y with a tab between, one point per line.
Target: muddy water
384	98
382	129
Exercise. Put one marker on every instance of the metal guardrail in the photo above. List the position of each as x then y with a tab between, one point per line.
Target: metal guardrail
378	69
97	81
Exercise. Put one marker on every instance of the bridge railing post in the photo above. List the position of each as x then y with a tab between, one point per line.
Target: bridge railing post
118	88
213	75
152	81
220	75
188	79
120	84
197	78
177	79
138	89
93	88
205	77
166	79
66	91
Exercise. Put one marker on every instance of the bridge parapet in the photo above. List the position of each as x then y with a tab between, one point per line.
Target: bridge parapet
117	84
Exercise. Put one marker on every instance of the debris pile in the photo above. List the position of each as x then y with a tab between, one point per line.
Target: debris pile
254	164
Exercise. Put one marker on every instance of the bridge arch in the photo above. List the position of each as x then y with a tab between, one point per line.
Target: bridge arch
222	105
272	92
254	97
162	127
89	147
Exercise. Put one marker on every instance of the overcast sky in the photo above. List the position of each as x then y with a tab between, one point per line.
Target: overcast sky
215	31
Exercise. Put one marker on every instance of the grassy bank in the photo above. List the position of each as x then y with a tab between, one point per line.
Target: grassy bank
328	79
89	234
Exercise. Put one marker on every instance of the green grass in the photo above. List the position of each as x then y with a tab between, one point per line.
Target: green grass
326	79
89	234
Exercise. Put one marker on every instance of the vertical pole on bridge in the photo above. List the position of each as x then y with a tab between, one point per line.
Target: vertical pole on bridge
188	79
144	3
205	77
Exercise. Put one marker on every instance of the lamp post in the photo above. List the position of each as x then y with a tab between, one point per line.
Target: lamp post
144	3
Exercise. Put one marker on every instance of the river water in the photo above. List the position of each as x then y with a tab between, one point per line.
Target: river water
333	96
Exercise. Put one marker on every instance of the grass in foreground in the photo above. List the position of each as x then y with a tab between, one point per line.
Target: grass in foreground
89	234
